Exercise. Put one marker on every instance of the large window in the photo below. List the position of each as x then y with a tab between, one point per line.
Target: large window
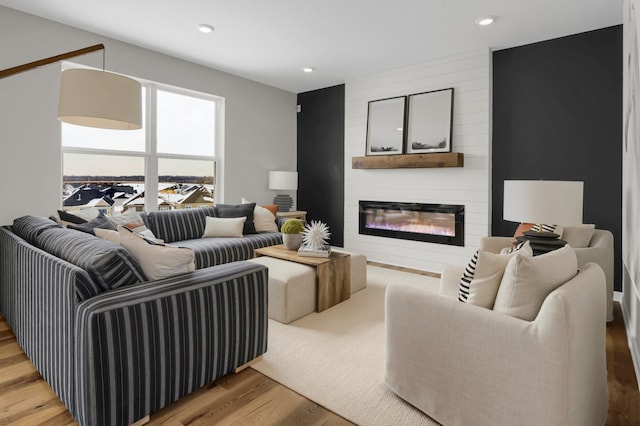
168	164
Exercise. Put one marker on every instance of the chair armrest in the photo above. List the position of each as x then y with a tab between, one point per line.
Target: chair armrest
158	341
494	244
462	364
600	251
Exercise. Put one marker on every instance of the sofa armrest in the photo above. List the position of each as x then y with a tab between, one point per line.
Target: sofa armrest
462	364
494	244
142	347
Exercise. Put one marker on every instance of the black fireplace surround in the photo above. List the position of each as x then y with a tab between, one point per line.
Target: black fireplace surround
433	223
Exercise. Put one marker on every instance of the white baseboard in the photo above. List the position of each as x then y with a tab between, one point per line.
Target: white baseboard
633	348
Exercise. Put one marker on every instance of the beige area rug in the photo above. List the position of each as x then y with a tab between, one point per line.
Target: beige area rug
336	357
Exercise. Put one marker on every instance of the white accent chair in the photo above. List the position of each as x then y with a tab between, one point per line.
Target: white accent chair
600	251
466	365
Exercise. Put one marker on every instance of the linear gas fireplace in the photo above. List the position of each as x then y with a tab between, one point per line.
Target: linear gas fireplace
434	223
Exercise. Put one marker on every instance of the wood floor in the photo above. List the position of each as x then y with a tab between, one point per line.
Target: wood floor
250	398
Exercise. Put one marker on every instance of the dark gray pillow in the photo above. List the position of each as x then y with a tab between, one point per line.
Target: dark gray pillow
239	210
70	217
99	222
108	264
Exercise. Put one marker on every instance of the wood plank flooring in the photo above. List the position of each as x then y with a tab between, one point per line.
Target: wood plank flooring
624	398
250	398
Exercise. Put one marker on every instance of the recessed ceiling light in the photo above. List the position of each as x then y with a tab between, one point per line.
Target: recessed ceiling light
308	69
205	28
485	20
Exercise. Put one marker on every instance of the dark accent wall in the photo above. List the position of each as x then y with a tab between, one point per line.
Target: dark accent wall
321	158
557	115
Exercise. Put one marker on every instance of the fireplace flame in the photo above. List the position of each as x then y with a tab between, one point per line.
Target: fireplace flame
411	221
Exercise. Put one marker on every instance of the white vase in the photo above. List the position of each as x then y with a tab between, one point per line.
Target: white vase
292	241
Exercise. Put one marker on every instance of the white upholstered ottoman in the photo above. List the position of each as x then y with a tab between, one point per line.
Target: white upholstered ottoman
358	269
292	289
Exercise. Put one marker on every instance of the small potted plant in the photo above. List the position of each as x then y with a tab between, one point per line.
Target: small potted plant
292	234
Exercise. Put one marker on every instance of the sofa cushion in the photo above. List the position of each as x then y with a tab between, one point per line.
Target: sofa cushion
179	225
30	227
481	279
527	281
108	264
157	260
216	251
238	210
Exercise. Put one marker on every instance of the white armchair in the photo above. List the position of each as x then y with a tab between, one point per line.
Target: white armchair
463	364
600	251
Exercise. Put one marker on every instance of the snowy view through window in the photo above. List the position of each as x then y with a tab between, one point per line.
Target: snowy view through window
106	169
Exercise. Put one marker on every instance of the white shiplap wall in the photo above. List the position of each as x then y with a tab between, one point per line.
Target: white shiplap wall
470	76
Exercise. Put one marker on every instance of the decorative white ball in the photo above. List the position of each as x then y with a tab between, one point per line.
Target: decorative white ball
316	235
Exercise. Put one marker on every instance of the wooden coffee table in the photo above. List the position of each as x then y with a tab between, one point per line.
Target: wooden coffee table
333	273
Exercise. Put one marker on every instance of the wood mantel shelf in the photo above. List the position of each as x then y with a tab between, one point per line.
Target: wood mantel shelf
440	159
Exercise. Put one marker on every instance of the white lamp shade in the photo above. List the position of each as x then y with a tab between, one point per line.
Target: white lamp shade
100	99
287	181
543	201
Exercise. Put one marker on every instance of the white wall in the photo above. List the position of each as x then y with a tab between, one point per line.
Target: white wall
631	180
470	76
260	121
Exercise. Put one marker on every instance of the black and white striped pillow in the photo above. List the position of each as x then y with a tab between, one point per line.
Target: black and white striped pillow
547	228
470	272
467	277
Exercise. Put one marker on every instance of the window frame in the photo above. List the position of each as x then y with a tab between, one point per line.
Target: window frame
150	155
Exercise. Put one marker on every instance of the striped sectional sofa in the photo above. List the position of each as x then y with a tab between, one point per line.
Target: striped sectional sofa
114	346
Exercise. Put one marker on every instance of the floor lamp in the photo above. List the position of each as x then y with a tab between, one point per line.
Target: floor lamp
93	98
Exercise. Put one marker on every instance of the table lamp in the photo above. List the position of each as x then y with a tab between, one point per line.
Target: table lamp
543	202
283	181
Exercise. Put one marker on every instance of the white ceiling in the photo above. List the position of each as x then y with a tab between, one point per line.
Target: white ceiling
270	41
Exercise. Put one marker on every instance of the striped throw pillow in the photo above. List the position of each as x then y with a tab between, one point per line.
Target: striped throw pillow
467	277
481	279
556	229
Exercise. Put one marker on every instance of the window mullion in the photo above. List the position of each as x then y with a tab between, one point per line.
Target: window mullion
151	157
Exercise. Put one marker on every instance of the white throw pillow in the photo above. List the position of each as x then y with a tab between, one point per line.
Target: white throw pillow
224	227
157	260
107	234
131	219
578	236
263	219
527	281
481	285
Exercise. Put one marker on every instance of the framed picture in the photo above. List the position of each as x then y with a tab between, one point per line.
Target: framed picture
429	122
385	124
